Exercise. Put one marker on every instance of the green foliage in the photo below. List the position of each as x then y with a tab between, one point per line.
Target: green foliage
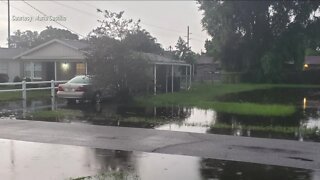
4	78
17	79
29	39
111	175
13	96
205	96
273	129
271	67
312	52
183	52
142	41
113	58
114	25
253	36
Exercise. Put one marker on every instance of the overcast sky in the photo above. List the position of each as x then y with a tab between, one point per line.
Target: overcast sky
165	20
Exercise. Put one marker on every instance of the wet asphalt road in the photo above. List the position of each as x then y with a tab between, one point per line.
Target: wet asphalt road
255	150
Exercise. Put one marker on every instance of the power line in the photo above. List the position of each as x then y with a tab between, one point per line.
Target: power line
17	9
152	25
76	9
53	21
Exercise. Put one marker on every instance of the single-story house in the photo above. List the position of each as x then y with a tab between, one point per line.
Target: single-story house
206	68
7	65
63	59
311	62
53	60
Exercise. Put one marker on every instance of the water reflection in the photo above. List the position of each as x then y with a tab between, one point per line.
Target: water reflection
304	125
26	160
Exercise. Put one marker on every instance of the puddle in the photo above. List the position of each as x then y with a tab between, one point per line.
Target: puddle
304	125
28	160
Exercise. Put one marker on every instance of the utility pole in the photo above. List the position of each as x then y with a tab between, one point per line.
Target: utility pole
188	37
9	41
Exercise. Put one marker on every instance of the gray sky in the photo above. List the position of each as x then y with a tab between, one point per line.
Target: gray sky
165	20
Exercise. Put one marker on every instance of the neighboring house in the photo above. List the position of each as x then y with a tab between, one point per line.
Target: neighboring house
63	59
311	62
53	60
7	64
206	68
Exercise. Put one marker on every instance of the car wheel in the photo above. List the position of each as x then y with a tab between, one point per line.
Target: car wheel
71	101
97	98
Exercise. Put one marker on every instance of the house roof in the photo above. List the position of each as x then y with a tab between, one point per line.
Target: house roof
74	44
312	60
157	59
204	60
9	53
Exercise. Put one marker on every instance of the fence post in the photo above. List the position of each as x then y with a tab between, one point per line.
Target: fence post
24	90
52	89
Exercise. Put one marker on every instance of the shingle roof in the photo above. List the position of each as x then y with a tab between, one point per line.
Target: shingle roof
157	59
204	60
76	43
9	53
312	60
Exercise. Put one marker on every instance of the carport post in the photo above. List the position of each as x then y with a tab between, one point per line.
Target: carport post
155	79
186	77
166	79
86	64
55	70
52	89
171	78
190	77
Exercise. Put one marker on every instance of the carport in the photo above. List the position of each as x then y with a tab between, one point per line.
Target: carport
172	68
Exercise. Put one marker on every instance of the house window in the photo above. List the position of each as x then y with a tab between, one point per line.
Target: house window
33	70
3	68
80	68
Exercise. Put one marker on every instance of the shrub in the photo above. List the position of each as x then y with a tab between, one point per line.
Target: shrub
4	78
17	79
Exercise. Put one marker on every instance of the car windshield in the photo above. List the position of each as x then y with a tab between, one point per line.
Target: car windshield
80	80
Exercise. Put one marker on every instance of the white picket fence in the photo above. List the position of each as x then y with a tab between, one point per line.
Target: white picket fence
24	88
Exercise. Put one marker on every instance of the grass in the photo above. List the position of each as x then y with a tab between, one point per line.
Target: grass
272	129
112	175
49	115
250	108
13	96
205	96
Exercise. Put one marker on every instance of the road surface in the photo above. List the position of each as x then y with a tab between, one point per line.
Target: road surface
288	153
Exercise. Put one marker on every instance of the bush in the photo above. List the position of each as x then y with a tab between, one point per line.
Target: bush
4	78
27	79
17	79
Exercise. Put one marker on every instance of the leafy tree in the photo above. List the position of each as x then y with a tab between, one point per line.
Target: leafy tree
183	52
113	57
247	34
116	67
114	25
55	33
29	39
24	39
142	41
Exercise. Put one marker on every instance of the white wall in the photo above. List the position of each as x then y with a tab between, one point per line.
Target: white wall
13	69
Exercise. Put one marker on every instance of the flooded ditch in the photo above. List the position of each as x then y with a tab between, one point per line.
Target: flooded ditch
303	125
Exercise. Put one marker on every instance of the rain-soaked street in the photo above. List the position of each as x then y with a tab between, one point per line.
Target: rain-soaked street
38	161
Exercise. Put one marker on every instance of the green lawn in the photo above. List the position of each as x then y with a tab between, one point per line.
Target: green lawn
12	96
271	129
205	96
